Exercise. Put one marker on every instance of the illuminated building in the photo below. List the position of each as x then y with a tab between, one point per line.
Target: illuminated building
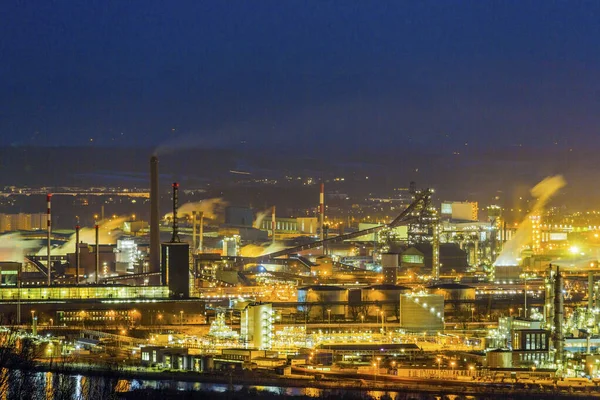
460	211
22	222
231	246
112	292
257	326
126	255
175	268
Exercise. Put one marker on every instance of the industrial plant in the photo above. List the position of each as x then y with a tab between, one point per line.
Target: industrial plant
435	291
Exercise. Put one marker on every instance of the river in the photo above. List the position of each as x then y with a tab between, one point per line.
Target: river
52	385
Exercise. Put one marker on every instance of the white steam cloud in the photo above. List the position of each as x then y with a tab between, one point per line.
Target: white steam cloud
211	208
13	247
543	192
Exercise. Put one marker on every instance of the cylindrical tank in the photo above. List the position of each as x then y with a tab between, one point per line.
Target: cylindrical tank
386	298
458	297
499	359
318	299
421	312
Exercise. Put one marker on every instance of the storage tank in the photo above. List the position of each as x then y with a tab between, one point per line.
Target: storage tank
499	358
387	298
320	298
421	312
458	297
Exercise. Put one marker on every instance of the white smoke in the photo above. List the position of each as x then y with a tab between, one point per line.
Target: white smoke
108	233
543	191
211	208
260	216
252	250
13	247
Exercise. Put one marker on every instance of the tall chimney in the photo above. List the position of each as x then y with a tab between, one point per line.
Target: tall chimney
97	228
154	217
201	233
194	221
77	254
590	291
175	235
273	224
322	211
559	340
49	226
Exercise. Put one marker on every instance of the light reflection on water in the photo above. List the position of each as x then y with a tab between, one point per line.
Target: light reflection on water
79	386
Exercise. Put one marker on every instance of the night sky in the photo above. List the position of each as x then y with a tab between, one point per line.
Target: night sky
369	73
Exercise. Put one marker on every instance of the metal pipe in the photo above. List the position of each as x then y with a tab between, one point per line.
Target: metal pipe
97	228
77	260
49	226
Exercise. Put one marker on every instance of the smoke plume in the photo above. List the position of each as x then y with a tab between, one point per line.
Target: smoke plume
13	247
543	192
211	208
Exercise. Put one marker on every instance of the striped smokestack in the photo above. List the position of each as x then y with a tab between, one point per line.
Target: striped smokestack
49	226
322	211
154	217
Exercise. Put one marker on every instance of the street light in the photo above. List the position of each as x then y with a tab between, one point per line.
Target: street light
439	361
181	318
376	368
452	364
329	325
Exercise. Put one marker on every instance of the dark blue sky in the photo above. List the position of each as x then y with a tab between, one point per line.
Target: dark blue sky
353	73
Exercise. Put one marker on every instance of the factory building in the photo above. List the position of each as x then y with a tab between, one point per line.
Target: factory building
239	216
460	211
421	312
256	326
22	222
418	259
175	268
231	246
389	267
87	260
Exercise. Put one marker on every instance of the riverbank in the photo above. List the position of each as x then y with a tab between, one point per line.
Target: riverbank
358	384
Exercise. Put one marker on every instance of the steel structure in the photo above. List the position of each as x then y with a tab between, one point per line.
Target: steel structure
410	214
